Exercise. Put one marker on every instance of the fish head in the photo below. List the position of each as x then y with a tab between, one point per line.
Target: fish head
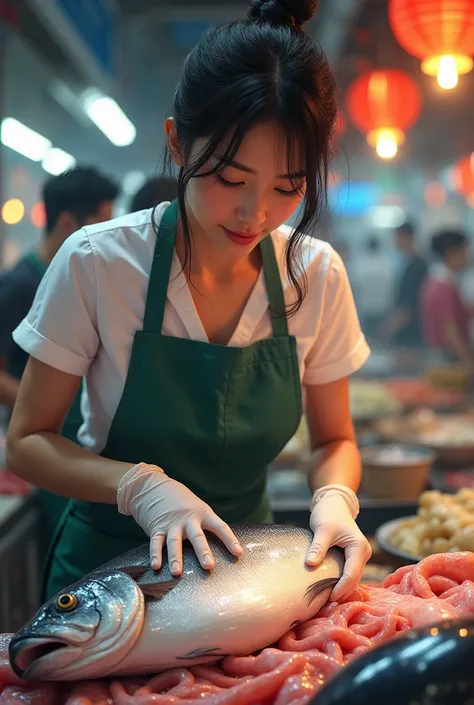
81	632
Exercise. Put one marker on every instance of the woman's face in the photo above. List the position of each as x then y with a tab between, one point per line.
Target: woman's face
254	194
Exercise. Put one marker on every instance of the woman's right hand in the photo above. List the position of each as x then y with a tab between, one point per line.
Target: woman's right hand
168	511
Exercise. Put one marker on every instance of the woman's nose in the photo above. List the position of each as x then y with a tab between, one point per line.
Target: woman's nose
252	213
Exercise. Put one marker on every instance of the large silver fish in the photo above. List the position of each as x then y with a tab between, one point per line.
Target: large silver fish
126	619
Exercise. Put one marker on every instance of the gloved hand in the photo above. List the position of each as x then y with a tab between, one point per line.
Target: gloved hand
167	511
333	512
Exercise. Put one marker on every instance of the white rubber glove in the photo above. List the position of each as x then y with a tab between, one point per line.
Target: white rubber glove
167	511
333	512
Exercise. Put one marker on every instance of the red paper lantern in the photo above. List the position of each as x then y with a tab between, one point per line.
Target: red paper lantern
383	104
440	32
462	175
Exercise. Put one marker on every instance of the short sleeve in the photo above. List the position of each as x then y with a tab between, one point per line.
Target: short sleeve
61	326
340	347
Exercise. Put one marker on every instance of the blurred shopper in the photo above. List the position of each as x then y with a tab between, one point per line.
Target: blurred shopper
445	315
467	294
152	192
403	328
373	286
81	196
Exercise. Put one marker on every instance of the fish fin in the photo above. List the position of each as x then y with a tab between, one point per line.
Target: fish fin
158	590
197	653
134	571
317	588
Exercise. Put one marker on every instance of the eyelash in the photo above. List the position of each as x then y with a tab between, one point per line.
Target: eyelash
234	184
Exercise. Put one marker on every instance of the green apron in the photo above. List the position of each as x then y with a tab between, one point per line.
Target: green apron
211	416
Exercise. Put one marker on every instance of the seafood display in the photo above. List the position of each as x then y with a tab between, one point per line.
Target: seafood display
294	669
444	522
126	619
368	401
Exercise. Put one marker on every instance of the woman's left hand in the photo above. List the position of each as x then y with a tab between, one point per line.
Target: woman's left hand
332	524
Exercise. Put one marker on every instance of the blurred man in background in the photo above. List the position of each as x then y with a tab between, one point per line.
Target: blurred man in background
403	328
373	286
152	192
78	197
82	196
445	315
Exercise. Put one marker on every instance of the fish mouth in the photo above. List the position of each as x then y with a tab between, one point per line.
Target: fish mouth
28	651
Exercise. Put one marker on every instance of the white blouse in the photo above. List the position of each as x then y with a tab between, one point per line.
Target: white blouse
91	302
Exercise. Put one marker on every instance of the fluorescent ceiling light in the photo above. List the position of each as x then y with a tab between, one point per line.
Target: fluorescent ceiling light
23	140
109	118
69	100
132	181
56	161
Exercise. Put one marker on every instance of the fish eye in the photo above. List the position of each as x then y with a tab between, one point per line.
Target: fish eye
66	602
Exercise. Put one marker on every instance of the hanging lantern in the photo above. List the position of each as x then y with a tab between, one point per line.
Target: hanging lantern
384	104
440	32
462	176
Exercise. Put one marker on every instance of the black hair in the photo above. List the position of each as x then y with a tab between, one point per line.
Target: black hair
79	191
448	240
152	192
373	245
246	73
406	228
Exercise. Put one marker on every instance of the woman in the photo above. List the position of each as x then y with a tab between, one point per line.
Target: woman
196	324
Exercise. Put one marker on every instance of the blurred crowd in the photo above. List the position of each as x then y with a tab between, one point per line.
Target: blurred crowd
78	197
425	309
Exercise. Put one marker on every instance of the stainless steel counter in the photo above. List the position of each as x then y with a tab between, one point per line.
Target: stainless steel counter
20	560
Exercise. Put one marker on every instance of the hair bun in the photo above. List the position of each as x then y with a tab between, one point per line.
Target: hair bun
290	13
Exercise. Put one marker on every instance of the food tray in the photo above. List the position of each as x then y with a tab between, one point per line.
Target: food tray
413	392
399	430
383	535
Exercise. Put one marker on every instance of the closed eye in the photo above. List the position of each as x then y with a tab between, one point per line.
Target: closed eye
293	192
235	184
229	184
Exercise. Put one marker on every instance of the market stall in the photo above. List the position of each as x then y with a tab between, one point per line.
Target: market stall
409	522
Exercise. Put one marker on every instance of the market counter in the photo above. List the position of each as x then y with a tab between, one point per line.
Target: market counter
21	557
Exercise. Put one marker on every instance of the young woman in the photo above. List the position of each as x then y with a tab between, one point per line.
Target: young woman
196	324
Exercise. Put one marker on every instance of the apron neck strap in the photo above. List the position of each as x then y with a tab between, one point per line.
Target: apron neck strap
161	268
274	288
